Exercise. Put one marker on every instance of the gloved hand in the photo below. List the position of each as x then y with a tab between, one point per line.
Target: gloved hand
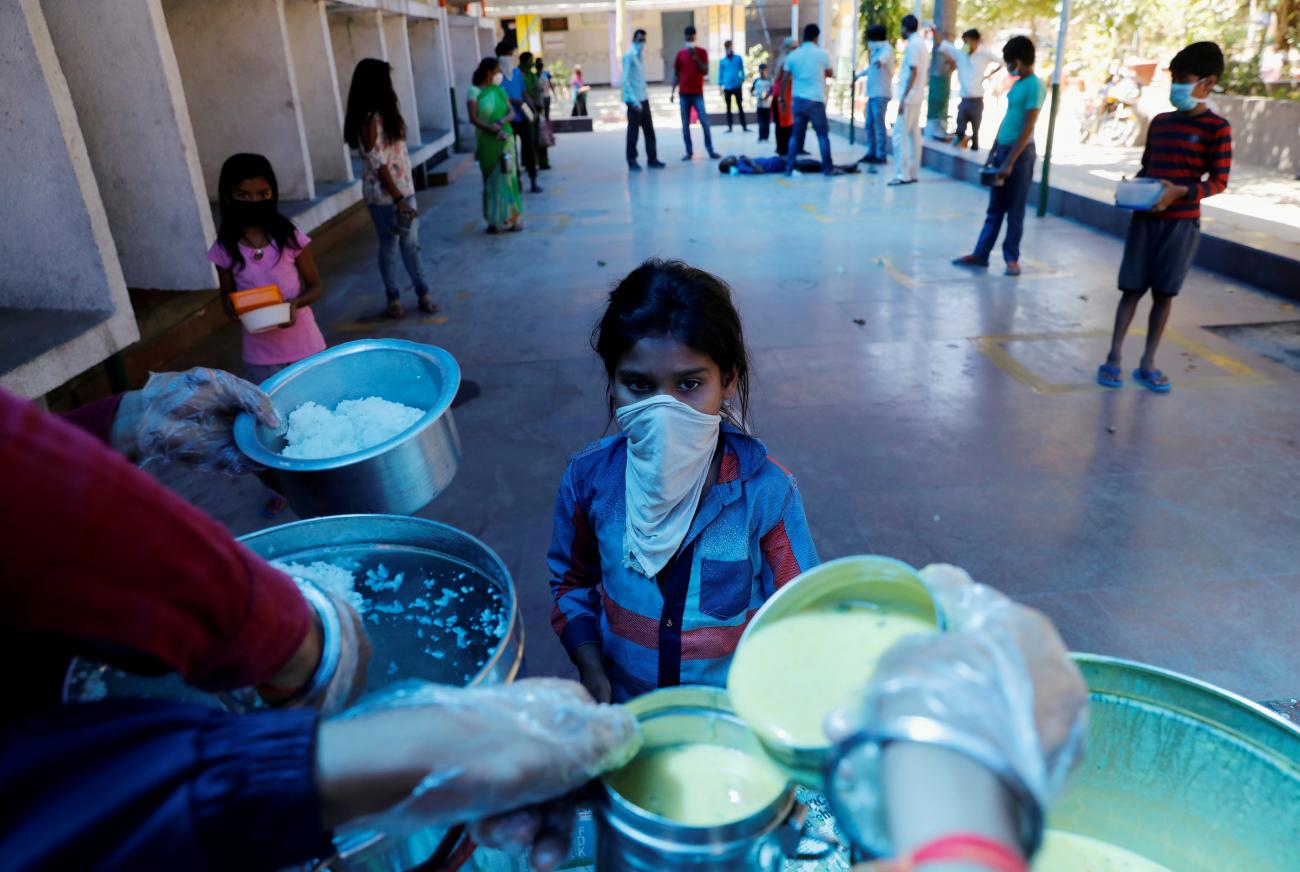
189	416
998	687
346	680
420	755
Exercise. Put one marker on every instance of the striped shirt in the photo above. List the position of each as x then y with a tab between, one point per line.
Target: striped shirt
1191	150
748	538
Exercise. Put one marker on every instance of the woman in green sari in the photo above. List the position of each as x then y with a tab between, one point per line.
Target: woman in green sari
497	158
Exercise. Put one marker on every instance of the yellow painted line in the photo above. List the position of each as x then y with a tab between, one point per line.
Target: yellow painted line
1222	361
785	183
897	274
993	347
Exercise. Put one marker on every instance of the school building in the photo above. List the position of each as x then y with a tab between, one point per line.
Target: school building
118	115
594	33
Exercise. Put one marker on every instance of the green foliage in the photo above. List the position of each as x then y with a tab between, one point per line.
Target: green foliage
886	12
754	55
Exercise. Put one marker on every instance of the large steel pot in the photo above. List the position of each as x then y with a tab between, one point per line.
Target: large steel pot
452	572
1184	773
399	476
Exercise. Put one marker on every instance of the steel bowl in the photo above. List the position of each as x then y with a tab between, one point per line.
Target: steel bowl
865	581
399	476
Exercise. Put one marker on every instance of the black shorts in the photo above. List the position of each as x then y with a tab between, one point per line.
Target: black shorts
1158	253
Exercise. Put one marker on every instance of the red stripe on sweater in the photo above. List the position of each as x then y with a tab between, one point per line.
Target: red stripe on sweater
779	554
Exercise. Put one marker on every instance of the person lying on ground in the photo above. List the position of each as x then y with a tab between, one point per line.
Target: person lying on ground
743	165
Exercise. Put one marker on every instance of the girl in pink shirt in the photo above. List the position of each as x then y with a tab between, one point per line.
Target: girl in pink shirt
257	246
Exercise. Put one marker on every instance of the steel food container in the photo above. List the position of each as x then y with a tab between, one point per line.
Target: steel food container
399	476
414	574
1184	773
632	839
864	581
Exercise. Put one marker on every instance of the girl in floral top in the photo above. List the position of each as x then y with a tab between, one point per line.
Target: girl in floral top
375	128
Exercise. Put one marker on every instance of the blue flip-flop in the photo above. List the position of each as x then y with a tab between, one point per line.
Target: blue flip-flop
1109	376
1150	379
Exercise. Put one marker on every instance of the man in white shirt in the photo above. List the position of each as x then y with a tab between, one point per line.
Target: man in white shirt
973	62
637	100
912	75
880	79
809	66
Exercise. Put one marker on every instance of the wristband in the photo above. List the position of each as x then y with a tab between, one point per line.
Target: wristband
969	848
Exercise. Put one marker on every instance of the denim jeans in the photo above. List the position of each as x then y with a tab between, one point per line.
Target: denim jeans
1007	200
392	237
806	111
697	102
877	135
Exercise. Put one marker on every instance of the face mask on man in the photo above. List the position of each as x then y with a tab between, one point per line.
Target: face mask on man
1181	96
507	64
638	47
690	43
498	79
669	451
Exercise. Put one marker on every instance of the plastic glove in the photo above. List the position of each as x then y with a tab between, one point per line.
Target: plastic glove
420	755
544	832
340	628
998	687
189	416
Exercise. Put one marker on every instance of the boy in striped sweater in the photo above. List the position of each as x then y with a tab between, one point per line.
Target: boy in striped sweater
1190	152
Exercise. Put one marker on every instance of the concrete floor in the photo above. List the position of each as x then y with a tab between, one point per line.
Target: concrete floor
929	413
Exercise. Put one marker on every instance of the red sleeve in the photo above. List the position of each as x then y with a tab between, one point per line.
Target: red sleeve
1220	166
96	418
94	549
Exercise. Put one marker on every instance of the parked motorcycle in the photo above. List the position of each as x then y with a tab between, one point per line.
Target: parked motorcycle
1111	117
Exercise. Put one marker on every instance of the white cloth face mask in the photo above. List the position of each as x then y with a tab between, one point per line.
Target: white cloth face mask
670	448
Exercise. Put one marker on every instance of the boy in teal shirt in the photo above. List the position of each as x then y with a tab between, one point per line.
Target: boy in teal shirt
1013	155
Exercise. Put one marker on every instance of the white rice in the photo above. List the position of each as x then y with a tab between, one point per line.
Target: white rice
316	432
333	578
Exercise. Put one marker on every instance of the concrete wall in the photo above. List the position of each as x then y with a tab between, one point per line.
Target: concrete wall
318	89
241	87
432	72
121	71
398	43
462	34
355	35
1265	132
60	265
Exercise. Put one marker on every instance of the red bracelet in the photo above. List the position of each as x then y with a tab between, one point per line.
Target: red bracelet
970	848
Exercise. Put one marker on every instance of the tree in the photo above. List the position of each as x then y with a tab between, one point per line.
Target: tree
886	12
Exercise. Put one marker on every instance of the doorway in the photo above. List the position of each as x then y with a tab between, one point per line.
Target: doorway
674	26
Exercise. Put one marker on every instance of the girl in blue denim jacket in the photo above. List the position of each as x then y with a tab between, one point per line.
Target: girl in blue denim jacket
671	534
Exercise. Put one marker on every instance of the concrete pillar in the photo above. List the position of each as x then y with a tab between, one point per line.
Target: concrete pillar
463	37
431	70
318	88
240	84
121	71
621	40
63	301
355	36
398	42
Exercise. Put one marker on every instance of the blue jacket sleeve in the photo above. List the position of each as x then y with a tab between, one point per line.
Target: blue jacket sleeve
574	561
153	784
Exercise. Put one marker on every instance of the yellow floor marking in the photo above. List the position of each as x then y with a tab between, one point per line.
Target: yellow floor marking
897	274
993	347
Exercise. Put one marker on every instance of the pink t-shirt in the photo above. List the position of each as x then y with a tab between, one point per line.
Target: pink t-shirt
287	344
